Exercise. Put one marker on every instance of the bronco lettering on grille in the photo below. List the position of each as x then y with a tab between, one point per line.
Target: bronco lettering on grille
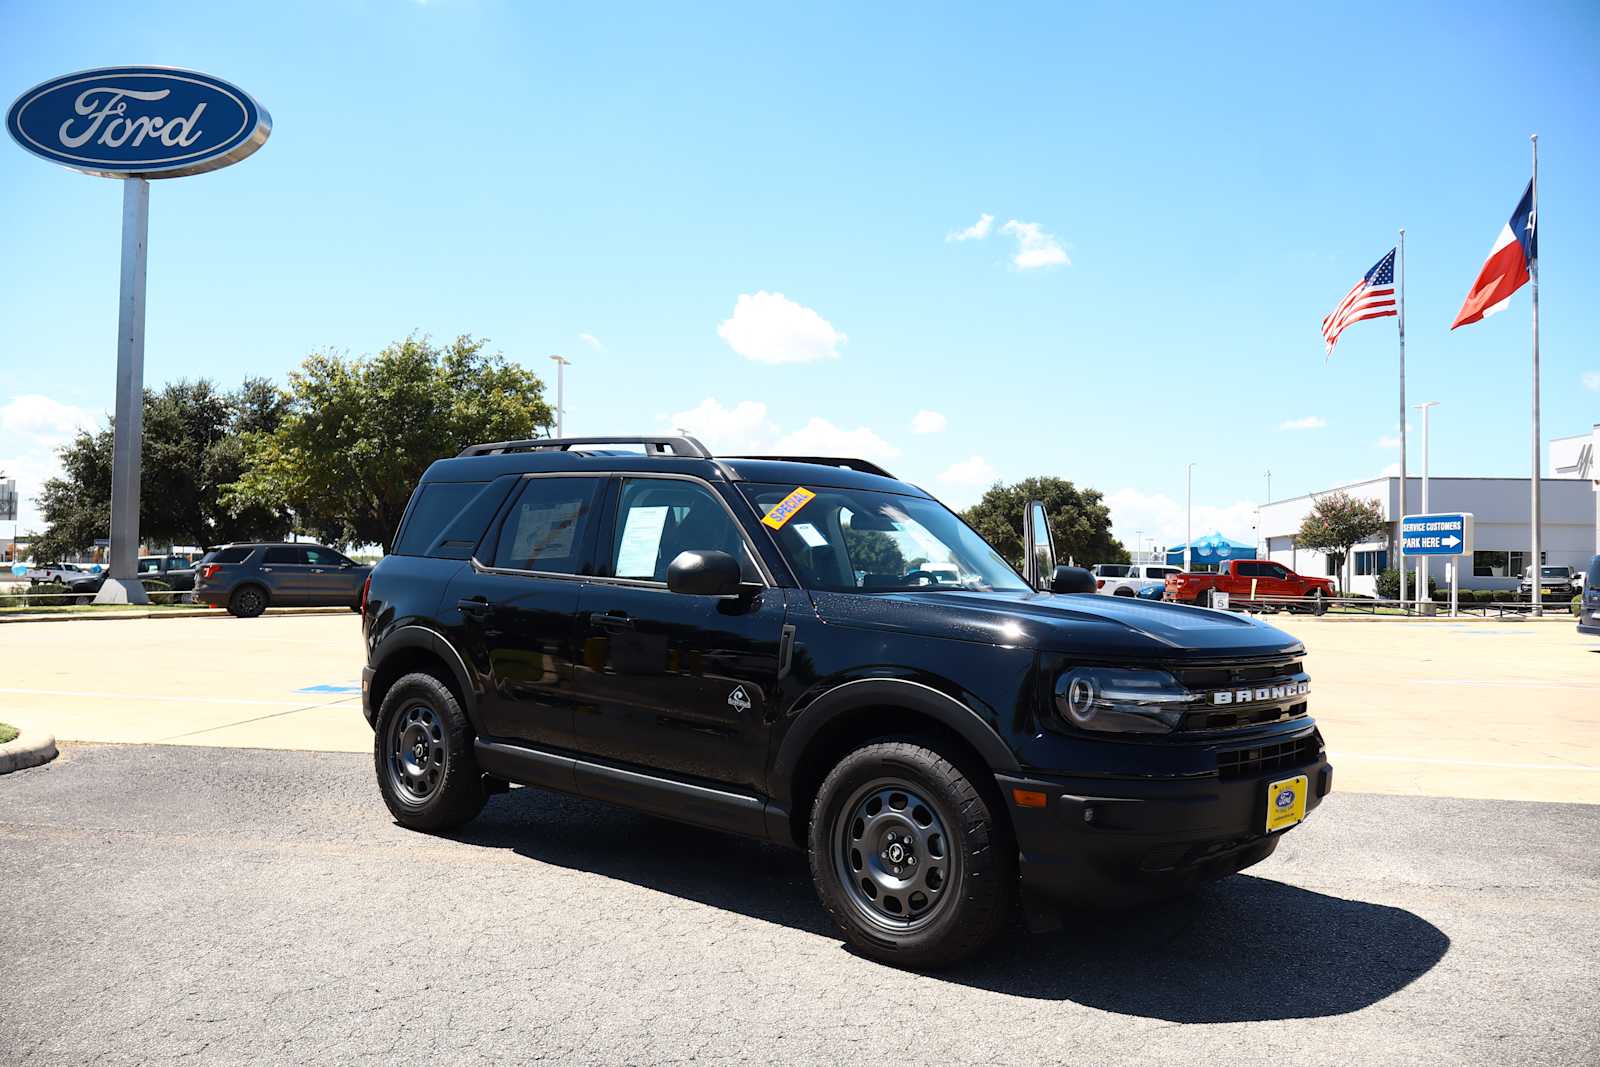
1256	694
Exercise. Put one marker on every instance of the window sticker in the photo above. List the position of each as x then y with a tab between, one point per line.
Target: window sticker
641	541
810	535
546	532
786	509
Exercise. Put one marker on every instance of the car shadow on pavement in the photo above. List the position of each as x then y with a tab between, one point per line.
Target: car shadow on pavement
1244	949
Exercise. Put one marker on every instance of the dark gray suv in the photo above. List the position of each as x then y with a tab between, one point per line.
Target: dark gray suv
247	578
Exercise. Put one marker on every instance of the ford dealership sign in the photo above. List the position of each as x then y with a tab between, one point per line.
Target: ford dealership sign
139	122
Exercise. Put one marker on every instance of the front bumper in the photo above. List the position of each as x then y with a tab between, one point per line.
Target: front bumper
1097	839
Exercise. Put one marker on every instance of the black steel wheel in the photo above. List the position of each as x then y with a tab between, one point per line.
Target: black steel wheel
247	601
911	858
422	751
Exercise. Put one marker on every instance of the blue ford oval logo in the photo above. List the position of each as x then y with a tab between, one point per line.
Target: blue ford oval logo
1285	798
139	122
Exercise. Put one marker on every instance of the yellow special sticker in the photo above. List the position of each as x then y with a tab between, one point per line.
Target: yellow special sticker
788	507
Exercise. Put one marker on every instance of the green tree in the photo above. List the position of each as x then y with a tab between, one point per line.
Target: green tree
874	551
191	448
1079	519
1337	523
356	434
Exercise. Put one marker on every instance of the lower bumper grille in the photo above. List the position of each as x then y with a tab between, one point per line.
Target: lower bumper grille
1262	759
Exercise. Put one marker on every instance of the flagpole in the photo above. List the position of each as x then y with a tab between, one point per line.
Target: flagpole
1533	273
1399	557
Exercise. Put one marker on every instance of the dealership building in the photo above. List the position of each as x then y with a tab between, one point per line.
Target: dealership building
1570	530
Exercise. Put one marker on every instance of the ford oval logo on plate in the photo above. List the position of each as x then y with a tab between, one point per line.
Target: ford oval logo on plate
1285	798
139	122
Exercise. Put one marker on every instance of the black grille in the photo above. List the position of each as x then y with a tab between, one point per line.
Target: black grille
1221	676
1263	759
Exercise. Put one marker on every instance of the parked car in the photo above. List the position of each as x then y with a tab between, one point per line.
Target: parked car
1153	592
756	645
1589	609
1554	582
56	572
1250	581
1130	579
176	571
248	578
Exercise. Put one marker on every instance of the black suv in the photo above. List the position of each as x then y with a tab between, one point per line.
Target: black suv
809	651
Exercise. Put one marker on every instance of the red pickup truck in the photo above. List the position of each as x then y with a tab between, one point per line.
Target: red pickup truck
1249	581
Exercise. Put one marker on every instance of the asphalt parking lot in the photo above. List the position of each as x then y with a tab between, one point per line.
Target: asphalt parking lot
224	885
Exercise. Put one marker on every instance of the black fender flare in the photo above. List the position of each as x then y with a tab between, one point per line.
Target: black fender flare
412	635
852	695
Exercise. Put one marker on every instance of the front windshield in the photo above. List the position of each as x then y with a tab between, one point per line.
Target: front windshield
859	541
1555	572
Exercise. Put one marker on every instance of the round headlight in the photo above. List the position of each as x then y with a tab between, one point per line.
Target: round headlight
1078	699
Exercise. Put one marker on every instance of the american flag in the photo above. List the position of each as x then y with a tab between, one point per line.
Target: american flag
1370	298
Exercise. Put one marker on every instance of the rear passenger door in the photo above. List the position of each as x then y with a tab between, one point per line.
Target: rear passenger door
288	577
512	609
330	578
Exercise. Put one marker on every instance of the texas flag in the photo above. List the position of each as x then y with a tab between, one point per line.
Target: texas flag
1506	270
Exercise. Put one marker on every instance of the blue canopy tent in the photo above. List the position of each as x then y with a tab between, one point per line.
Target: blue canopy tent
1210	551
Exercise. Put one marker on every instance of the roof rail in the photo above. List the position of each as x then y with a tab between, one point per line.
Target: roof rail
653	446
865	466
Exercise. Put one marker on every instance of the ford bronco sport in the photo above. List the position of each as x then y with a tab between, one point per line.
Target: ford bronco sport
809	651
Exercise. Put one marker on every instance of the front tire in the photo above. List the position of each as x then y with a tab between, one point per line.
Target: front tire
422	752
913	862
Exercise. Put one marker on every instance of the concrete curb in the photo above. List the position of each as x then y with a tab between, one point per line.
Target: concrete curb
27	749
198	613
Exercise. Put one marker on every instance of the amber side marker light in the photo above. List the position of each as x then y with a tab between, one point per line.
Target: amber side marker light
1027	798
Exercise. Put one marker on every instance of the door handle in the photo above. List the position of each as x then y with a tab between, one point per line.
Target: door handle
266	570
472	605
610	620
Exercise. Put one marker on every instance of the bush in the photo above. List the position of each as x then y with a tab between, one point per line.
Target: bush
156	585
1577	604
47	594
1389	586
1486	596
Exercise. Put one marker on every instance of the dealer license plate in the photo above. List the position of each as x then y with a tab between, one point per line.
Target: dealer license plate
1286	802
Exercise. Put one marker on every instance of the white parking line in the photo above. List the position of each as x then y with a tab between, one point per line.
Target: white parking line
163	699
1436	761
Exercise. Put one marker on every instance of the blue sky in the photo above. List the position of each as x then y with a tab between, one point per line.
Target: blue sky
1178	197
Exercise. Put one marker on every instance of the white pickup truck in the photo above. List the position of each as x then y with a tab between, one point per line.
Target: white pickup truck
1128	579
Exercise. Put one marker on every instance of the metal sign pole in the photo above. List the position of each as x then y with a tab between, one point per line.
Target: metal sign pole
123	585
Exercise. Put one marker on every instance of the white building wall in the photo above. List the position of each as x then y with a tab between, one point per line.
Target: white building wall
1500	508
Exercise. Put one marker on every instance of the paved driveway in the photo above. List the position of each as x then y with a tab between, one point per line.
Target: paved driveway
181	904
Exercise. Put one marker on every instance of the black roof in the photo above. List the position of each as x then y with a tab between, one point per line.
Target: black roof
671	455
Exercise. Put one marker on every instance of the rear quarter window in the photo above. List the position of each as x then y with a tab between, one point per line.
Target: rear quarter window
231	555
435	505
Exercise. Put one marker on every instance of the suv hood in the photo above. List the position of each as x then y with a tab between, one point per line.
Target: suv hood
1114	627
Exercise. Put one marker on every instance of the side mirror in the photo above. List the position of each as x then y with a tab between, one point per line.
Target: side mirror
1071	580
1038	546
704	574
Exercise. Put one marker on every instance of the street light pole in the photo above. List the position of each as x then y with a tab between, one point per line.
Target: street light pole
1188	521
562	363
1424	571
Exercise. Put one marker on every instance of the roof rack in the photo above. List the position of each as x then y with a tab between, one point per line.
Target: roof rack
653	446
865	466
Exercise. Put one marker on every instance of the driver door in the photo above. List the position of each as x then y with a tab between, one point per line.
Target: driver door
674	681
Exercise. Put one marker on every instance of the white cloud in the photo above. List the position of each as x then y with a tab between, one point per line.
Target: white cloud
819	437
972	471
928	422
729	431
592	341
976	232
770	328
1591	381
1310	422
1035	248
32	427
1159	519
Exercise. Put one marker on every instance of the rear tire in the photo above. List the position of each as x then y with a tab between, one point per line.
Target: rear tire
422	752
247	601
909	857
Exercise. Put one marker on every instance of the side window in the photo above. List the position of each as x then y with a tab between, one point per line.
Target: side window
436	504
282	554
657	518
546	527
322	557
149	566
232	555
1273	570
